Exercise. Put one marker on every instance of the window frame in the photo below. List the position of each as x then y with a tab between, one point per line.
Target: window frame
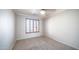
37	30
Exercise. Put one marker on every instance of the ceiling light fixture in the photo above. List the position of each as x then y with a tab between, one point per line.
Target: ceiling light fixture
42	11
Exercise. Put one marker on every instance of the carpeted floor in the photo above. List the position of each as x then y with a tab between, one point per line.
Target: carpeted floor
40	43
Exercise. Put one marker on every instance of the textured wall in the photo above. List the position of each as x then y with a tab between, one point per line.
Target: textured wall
7	29
20	27
64	27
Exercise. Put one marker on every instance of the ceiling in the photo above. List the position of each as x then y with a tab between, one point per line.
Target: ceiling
32	11
37	12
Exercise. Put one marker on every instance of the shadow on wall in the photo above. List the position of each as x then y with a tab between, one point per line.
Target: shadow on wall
7	29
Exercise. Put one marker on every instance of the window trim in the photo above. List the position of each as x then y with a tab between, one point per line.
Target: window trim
33	26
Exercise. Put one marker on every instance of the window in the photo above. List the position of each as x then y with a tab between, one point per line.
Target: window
32	25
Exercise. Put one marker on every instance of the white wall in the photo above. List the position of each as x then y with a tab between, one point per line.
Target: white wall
7	30
64	28
20	27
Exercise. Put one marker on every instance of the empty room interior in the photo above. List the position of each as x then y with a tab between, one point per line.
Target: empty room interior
39	29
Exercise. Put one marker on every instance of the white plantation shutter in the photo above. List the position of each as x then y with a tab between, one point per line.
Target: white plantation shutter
27	25
32	25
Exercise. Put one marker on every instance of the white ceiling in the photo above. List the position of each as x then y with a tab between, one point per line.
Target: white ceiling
37	12
32	11
27	11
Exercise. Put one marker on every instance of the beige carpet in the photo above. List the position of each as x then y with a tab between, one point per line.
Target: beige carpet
40	43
